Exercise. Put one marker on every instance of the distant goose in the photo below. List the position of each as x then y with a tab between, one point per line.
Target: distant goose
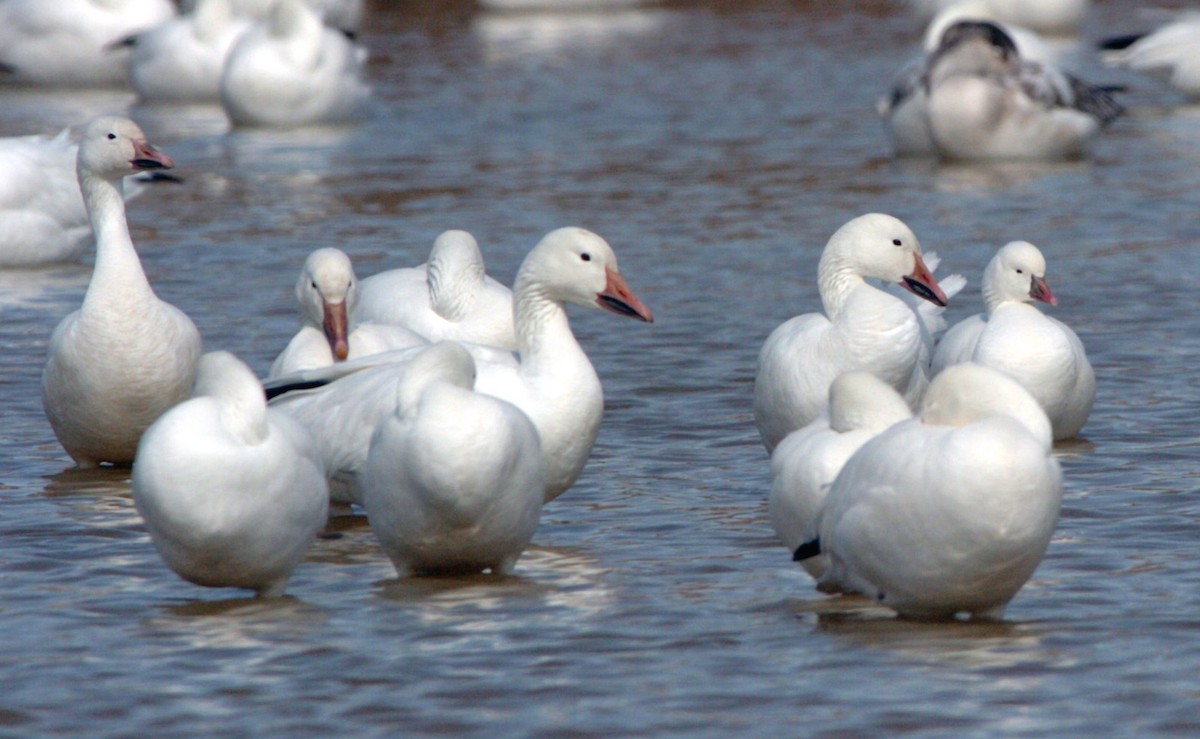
1053	17
123	358
448	297
68	43
453	481
181	59
232	492
949	512
861	328
553	383
1172	52
290	70
345	15
806	462
1041	353
326	292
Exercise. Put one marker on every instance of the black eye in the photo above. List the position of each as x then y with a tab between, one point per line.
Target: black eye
111	136
585	257
1020	271
314	284
896	242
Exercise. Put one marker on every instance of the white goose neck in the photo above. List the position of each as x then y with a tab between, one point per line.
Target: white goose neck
452	290
543	330
118	269
836	279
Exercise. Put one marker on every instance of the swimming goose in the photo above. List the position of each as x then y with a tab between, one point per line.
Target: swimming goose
448	297
124	357
454	479
290	70
232	492
949	512
1041	353
553	382
327	291
806	462
862	328
69	43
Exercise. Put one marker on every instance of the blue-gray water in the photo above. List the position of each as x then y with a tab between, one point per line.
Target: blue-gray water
716	146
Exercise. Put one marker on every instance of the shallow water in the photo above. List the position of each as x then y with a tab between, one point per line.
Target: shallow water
716	146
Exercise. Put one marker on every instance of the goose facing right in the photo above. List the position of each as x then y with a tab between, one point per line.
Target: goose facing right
124	357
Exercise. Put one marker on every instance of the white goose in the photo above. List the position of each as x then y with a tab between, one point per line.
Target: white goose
553	382
327	291
42	216
181	60
1055	17
1040	352
806	462
949	512
69	42
863	327
1172	52
291	70
985	102
448	297
125	356
342	14
454	479
232	492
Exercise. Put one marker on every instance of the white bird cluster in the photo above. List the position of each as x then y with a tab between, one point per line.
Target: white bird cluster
267	62
941	513
451	447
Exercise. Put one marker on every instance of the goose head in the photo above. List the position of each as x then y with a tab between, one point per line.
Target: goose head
327	292
972	47
574	265
882	247
860	400
113	147
969	392
1017	273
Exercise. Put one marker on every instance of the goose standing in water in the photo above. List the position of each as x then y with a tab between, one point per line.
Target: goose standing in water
949	512
123	358
1040	352
862	328
232	492
454	479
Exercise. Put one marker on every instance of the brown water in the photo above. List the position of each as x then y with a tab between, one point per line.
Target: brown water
715	146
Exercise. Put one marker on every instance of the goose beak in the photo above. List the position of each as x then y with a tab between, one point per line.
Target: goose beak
146	156
1039	290
921	283
334	326
618	298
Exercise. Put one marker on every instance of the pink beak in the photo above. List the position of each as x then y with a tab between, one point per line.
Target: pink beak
146	156
619	299
334	326
1039	290
921	283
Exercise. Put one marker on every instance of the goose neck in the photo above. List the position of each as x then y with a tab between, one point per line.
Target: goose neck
543	330
836	279
117	264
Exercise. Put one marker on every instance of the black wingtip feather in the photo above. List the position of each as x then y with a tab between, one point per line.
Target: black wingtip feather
1117	43
807	550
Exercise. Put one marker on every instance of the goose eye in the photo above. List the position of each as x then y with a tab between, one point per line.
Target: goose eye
897	242
586	257
314	284
111	136
1020	271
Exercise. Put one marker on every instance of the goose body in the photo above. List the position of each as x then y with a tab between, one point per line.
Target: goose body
1041	353
454	480
553	382
1056	17
232	493
806	462
862	327
291	70
949	512
1171	51
124	357
68	43
448	297
326	292
181	59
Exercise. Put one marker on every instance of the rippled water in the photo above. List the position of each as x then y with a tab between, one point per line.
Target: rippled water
716	146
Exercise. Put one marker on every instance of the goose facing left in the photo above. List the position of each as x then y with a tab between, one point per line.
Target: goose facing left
125	357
